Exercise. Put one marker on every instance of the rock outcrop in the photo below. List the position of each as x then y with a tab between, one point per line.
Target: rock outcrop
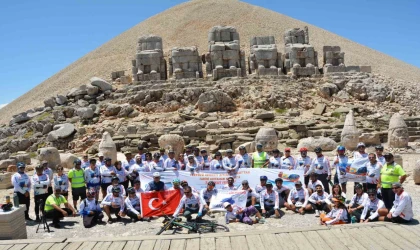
215	100
51	155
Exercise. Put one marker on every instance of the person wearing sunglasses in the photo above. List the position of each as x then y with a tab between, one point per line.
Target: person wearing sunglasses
192	204
251	195
373	172
391	172
402	210
374	208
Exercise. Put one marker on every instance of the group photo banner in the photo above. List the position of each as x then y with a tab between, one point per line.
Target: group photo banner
353	171
199	180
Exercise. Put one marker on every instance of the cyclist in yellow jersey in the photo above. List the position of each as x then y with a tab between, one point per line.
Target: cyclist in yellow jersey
78	184
53	210
260	159
391	173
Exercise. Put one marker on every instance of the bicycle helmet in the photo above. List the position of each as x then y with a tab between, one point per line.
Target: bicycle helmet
278	180
131	190
116	189
176	180
115	178
379	147
77	162
263	178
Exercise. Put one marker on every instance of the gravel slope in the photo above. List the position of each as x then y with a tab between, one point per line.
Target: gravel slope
187	24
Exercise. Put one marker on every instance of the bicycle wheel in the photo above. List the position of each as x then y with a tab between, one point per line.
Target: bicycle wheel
211	228
166	226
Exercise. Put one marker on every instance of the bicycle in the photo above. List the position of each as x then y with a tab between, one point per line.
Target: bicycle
176	224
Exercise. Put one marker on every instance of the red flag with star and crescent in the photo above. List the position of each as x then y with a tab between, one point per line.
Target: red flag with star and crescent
157	203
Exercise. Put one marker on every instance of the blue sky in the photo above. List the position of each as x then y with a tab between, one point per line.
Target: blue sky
39	38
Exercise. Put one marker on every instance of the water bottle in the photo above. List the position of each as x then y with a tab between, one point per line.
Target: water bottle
15	200
353	219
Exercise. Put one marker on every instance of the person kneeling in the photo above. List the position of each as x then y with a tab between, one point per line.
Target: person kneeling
269	201
192	204
373	208
91	210
235	214
298	199
402	210
53	210
319	200
132	204
114	203
338	214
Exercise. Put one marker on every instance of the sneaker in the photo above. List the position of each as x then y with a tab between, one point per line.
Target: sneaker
261	221
110	221
316	213
118	218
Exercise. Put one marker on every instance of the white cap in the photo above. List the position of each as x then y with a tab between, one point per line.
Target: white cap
361	144
226	204
100	154
156	174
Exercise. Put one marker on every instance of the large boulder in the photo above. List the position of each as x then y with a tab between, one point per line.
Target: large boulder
50	102
126	110
311	143
370	139
61	99
4	155
19	145
67	160
92	90
416	173
19	118
107	147
85	113
112	109
268	138
6	163
398	136
326	90
61	131
80	91
100	83
171	141
51	155
22	157
215	100
350	134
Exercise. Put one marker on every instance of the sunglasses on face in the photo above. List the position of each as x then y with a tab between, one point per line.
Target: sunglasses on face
372	157
372	195
187	192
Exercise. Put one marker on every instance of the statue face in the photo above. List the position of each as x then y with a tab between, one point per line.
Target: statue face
269	142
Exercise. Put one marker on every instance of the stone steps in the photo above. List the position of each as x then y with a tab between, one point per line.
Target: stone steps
413	126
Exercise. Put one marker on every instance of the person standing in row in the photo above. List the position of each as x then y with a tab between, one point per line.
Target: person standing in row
93	178
303	162
340	164
78	184
321	166
260	159
22	187
62	180
40	183
107	172
391	173
50	174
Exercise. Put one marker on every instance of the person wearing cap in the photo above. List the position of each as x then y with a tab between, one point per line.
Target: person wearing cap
283	192
260	159
93	178
85	162
184	184
129	160
217	163
50	174
373	208
243	159
262	186
77	181
122	174
107	172
321	166
269	202
191	164
40	183
287	161
156	165
113	203
298	199
236	214
356	205
132	205
198	158
275	160
391	172
229	162
156	185
206	159
230	184
319	201
402	210
340	162
303	162
115	182
136	169
54	211
313	182
192	204
188	151
163	156
171	163
207	193
100	161
22	187
62	180
251	194
176	185
361	151
137	187
141	153
379	154
90	209
373	172
337	215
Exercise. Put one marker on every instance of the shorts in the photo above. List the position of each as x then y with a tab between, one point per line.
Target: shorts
114	210
396	220
65	194
368	215
104	186
78	193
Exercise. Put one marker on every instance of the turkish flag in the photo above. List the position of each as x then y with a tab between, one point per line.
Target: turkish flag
157	203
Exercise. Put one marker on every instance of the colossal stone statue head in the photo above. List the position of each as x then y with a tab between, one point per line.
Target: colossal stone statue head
398	132
268	138
174	142
350	134
107	147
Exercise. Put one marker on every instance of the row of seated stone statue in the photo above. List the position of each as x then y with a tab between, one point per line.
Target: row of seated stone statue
224	57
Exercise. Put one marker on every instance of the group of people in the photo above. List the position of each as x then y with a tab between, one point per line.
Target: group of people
89	177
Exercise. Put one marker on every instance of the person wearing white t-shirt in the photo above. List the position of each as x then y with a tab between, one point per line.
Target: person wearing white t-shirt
206	159
313	182
171	163
340	164
217	163
379	154
243	158
230	185
303	162
373	172
275	160
357	203
402	210
229	162
287	161
321	166
374	208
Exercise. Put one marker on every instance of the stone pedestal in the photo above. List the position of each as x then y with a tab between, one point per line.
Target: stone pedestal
12	224
5	180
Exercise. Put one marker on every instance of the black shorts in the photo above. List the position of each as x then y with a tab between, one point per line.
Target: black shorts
104	186
65	194
396	220
114	210
78	193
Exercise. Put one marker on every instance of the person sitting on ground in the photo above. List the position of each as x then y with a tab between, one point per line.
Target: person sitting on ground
229	162
338	215
191	164
402	210
230	185
283	192
298	199
251	195
262	186
116	183
192	204
287	161
235	214
156	185
132	205
275	160
373	208
217	162
114	203
90	209
355	208
207	193
269	202
319	200
54	211
313	181
336	191
176	185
